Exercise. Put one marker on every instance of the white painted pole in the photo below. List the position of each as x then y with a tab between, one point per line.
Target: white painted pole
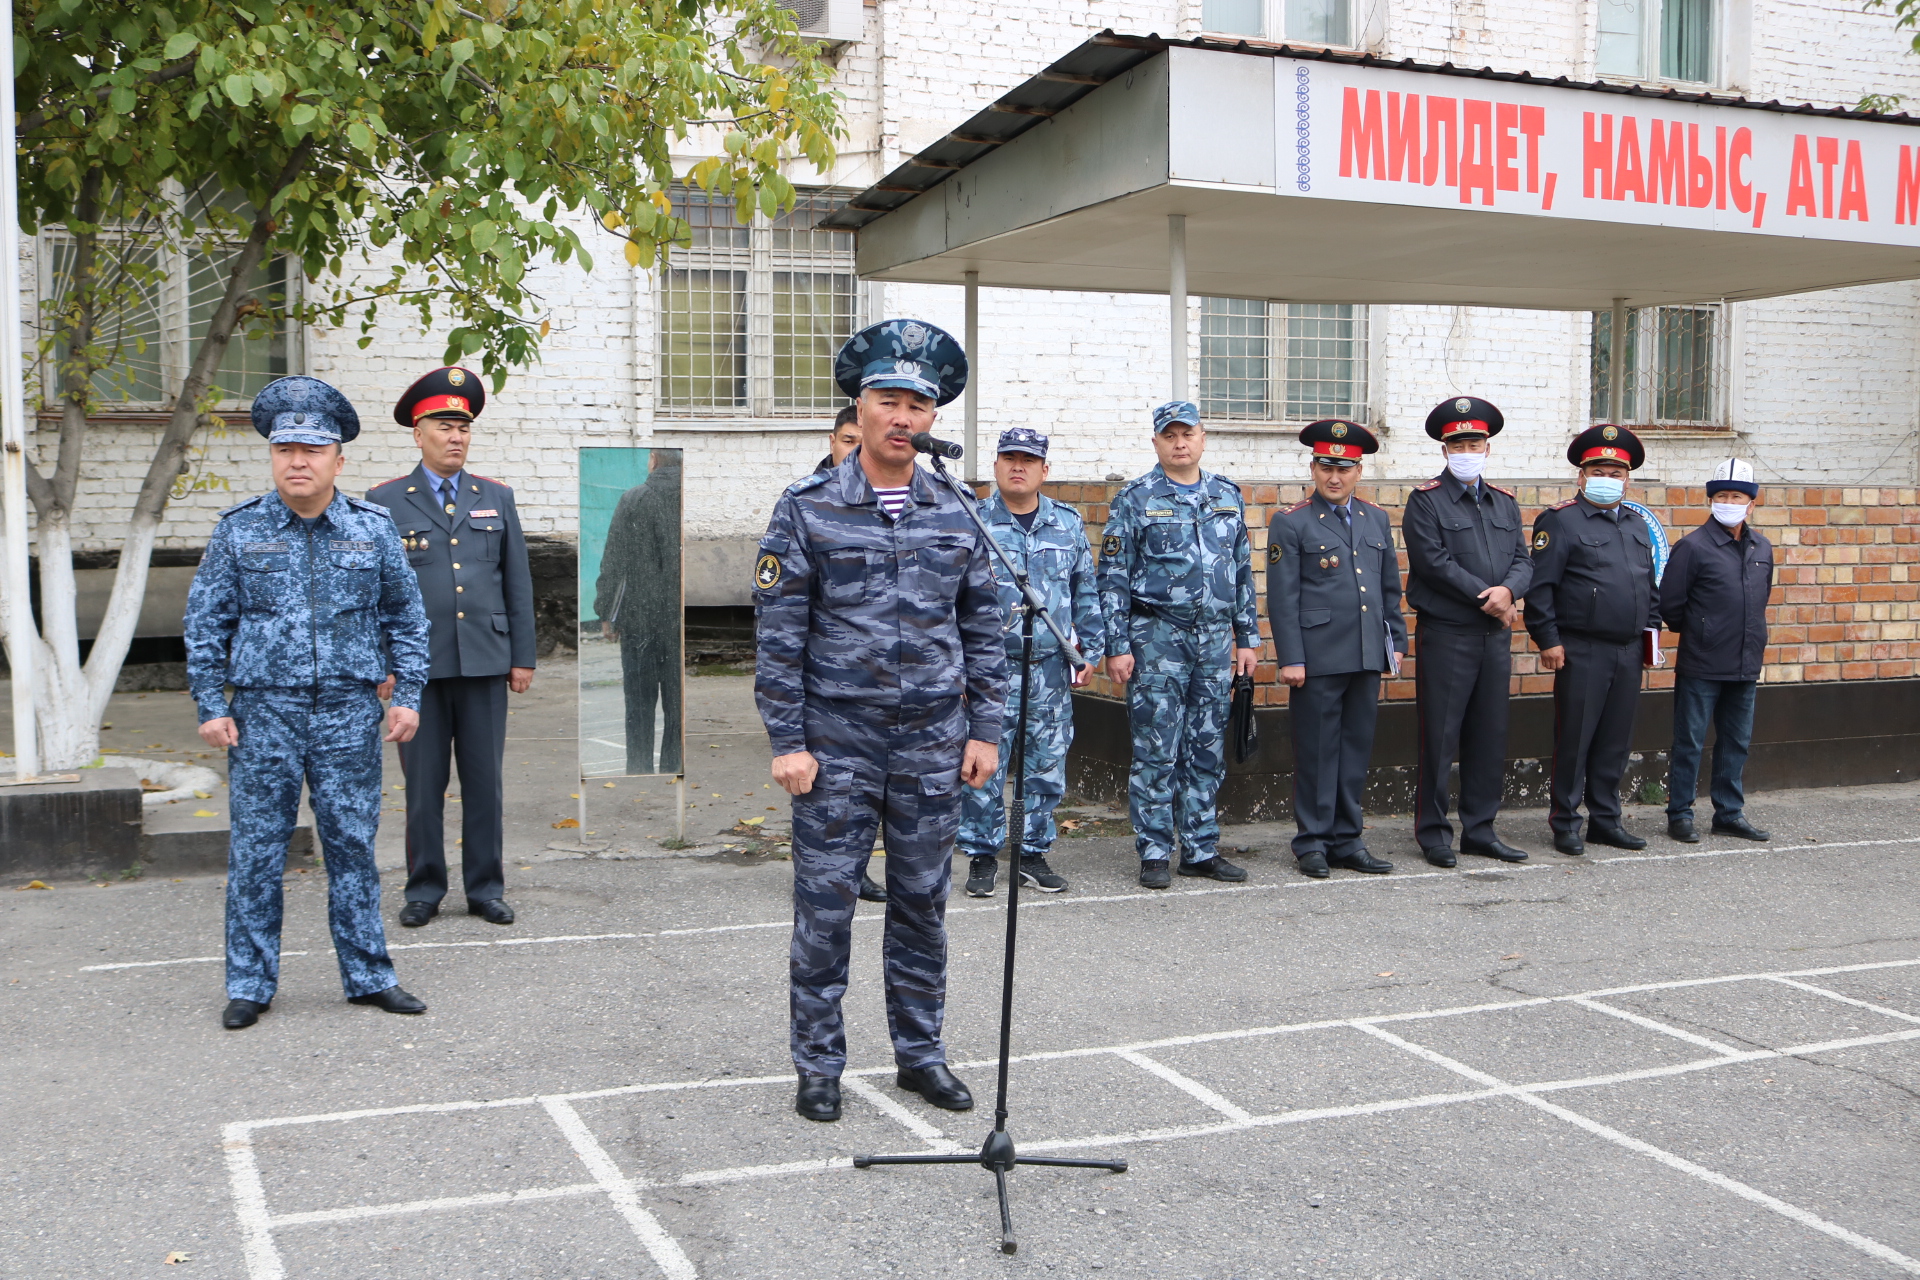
973	377
1177	301
13	429
1617	364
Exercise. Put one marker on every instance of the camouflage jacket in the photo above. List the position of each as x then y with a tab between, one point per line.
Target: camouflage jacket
853	606
1179	554
278	606
1059	562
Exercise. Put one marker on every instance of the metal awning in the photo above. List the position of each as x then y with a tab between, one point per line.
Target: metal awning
1324	177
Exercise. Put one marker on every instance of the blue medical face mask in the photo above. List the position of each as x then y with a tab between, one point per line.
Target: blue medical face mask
1604	491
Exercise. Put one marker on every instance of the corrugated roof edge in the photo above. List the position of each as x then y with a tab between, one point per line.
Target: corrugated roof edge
1115	53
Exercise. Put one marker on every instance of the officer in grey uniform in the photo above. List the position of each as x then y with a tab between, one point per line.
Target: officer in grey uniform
1333	596
1048	540
881	679
462	536
1592	601
1176	586
1467	569
302	602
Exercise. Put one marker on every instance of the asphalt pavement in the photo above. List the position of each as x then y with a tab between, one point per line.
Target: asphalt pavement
1697	1061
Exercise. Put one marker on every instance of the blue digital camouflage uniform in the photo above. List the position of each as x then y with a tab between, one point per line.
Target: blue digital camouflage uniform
1176	585
1058	561
303	622
880	652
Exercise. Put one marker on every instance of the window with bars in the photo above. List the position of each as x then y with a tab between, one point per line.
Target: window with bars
1282	361
1308	21
750	316
167	294
1675	367
1658	40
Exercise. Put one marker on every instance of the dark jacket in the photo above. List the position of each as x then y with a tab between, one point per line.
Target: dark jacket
639	589
473	572
1333	596
1457	548
1592	575
1715	595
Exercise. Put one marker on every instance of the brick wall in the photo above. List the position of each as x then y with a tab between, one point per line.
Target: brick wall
1847	577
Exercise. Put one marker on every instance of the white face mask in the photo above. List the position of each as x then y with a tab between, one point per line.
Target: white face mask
1730	513
1466	467
1604	490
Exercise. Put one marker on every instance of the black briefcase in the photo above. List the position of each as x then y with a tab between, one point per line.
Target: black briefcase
1240	725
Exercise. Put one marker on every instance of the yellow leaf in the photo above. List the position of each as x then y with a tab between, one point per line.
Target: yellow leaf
566	823
612	220
205	813
633	253
1387	974
752	822
203	795
546	327
607	785
34	884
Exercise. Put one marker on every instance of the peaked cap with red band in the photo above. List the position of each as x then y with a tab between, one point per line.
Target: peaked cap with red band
1607	443
1338	442
454	391
1464	417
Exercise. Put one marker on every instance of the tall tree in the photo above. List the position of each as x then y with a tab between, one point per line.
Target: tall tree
465	144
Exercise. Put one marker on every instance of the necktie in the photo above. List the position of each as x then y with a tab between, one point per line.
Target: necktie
447	488
1346	513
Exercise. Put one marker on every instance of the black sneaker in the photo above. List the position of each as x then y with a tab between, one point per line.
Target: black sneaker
980	876
1154	874
1214	868
1036	874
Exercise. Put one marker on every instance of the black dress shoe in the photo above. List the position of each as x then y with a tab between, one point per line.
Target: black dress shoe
1440	856
1154	873
1313	863
818	1097
937	1085
493	911
393	1000
1358	859
1214	868
1494	848
1681	829
870	892
1738	827
1569	843
415	914
1618	837
243	1013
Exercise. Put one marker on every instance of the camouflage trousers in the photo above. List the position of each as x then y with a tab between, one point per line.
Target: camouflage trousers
329	739
1177	701
983	811
897	771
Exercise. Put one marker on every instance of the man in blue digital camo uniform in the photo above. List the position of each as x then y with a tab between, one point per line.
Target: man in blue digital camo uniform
882	679
303	597
1048	540
1333	596
1176	587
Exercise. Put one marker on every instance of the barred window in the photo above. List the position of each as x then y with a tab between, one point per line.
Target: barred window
1675	367
1315	21
750	316
1271	361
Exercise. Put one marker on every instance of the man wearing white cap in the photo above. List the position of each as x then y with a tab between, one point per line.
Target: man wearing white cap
1715	595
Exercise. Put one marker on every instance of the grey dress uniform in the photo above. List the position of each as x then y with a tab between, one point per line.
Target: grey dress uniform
478	589
1333	597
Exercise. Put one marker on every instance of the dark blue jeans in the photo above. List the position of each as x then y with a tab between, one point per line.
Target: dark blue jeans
1729	704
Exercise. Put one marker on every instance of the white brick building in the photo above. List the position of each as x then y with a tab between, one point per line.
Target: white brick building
723	359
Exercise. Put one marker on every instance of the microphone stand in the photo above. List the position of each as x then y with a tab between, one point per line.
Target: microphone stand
997	1155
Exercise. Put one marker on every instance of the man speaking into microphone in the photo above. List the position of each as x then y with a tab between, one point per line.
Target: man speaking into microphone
882	680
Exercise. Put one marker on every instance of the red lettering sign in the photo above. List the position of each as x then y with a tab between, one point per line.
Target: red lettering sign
1361	135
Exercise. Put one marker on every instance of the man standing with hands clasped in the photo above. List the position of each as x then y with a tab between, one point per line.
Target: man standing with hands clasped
882	680
1467	569
300	602
1333	595
1715	594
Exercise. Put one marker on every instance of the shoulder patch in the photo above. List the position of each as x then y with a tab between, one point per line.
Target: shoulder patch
1541	538
813	481
1497	489
1369	505
1130	485
365	505
1110	545
1561	506
241	506
1301	505
1231	484
1273	553
766	571
490	480
1431	484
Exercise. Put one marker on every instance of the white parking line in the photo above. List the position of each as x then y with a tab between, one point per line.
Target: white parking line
1651	1025
1185	1084
933	1137
666	1251
522	1196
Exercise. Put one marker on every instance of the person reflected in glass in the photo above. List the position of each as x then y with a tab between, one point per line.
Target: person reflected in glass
637	599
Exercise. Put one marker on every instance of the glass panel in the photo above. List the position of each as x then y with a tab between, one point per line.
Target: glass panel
1599	361
131	332
258	353
1683	386
812	316
1233	17
1686	40
1235	373
1325	361
796	230
1319	21
703	338
711	218
631	637
1622	33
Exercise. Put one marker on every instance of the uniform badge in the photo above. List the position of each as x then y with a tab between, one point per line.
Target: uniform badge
766	572
1273	553
1540	540
913	335
1609	433
1463	405
455	377
1333	562
1110	545
1338	431
1323	562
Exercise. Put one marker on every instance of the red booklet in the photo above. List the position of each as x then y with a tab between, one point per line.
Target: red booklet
1650	647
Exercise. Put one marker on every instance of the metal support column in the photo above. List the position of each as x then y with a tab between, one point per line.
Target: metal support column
1617	364
13	433
1177	301
972	440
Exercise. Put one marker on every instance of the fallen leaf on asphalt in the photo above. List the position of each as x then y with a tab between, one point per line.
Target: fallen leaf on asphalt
565	823
176	1257
573	795
752	822
607	785
1514	956
1070	826
205	813
203	795
1387	974
34	884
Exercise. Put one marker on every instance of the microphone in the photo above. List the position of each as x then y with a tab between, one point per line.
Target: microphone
924	442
